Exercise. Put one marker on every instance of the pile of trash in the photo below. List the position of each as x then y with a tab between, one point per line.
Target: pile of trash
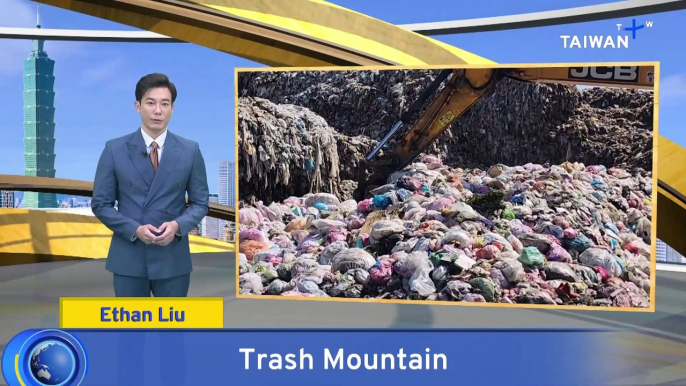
287	149
356	102
520	122
566	234
481	232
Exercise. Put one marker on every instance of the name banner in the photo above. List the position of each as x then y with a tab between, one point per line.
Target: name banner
140	313
309	357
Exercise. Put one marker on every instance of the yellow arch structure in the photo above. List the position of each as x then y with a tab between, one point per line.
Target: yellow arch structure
671	203
85	189
293	33
311	33
33	236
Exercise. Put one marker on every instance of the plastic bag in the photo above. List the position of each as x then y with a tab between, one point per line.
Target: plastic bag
486	286
381	272
253	234
601	258
513	270
459	237
327	255
384	228
532	257
251	282
494	238
421	283
352	258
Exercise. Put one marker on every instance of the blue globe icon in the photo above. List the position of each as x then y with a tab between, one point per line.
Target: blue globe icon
52	363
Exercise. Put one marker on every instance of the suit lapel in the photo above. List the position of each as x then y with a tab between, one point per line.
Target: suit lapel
140	161
170	156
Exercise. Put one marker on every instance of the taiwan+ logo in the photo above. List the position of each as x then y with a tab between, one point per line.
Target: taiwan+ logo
606	41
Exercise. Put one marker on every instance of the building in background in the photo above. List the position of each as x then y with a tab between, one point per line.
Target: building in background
73	202
39	124
227	188
210	226
673	256
661	249
7	199
229	232
227	183
666	254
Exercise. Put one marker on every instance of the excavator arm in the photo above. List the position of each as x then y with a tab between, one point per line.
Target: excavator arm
465	87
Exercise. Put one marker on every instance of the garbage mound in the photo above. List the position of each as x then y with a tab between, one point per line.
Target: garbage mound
353	102
520	122
566	234
287	149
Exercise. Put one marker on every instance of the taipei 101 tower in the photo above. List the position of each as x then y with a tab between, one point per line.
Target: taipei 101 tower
39	124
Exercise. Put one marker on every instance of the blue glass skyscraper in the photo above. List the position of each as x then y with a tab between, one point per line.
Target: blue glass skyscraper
39	124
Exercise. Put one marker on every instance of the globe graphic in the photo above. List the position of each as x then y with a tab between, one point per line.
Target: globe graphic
52	363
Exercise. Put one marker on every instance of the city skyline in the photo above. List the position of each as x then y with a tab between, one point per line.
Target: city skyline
94	87
225	169
667	254
39	125
39	97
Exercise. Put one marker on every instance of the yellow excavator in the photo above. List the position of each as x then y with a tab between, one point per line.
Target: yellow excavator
463	88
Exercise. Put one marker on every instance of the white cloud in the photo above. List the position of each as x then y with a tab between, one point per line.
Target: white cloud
673	90
17	14
20	14
106	69
673	85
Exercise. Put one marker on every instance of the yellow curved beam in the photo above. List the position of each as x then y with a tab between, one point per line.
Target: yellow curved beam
670	160
293	33
30	236
85	189
671	209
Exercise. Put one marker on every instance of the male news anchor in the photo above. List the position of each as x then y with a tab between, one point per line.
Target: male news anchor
148	173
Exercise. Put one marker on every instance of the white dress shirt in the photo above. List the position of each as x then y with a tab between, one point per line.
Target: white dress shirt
160	143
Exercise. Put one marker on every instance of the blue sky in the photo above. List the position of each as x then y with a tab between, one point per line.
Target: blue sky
95	81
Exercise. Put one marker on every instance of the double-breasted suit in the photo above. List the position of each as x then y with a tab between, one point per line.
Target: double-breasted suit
125	175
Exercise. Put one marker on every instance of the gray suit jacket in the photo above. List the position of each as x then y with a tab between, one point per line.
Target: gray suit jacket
125	175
